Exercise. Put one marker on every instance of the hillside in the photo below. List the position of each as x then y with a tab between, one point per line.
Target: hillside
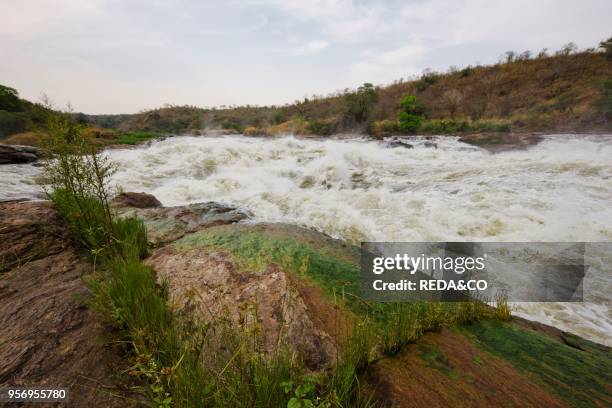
565	92
562	93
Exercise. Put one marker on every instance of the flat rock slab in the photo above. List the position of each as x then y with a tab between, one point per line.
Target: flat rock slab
15	154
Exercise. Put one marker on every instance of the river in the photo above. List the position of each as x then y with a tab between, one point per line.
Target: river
356	189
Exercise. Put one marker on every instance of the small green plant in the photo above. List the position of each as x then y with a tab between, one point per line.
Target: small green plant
302	395
133	138
410	117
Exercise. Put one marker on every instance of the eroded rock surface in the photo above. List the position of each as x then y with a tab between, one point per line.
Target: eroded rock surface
49	337
167	224
208	283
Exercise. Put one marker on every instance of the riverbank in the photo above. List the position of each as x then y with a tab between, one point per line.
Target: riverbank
236	270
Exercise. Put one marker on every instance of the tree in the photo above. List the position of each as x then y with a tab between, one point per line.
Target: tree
567	49
452	97
359	104
410	116
9	99
607	46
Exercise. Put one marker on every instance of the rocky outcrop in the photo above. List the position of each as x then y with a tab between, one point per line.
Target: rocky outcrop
49	337
226	274
208	284
137	200
167	224
15	154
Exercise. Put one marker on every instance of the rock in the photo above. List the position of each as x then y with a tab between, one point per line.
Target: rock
210	287
399	143
49	338
137	200
15	154
166	224
430	144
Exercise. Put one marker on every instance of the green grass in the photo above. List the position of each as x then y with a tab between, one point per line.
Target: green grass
454	126
393	324
582	377
254	251
133	138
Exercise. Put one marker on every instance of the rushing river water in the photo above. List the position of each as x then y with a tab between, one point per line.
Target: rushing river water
558	190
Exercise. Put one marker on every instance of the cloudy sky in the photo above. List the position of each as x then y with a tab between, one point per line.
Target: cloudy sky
112	56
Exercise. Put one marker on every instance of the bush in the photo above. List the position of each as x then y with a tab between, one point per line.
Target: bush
451	126
9	99
427	79
410	118
13	122
321	127
383	128
605	103
358	105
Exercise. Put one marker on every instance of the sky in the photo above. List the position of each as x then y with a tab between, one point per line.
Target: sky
125	56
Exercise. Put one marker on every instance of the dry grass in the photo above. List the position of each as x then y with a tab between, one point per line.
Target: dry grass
25	138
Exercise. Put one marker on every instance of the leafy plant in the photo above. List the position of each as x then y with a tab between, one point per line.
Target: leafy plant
410	117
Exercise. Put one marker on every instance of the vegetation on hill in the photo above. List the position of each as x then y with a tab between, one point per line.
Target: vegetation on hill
19	115
568	91
565	91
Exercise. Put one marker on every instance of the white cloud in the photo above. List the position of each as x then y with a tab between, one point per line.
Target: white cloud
313	47
388	65
144	53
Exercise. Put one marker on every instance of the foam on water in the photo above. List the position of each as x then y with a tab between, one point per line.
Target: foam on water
558	190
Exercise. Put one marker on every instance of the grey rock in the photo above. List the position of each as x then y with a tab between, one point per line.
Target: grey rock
15	154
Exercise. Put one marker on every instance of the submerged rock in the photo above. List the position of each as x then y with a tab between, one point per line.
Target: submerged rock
399	143
15	154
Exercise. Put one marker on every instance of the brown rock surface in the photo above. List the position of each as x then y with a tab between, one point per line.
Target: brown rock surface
49	337
208	284
137	200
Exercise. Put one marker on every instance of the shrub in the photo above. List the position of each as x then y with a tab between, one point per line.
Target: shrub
321	127
466	72
78	177
383	128
358	105
9	99
409	116
605	103
427	79
13	122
